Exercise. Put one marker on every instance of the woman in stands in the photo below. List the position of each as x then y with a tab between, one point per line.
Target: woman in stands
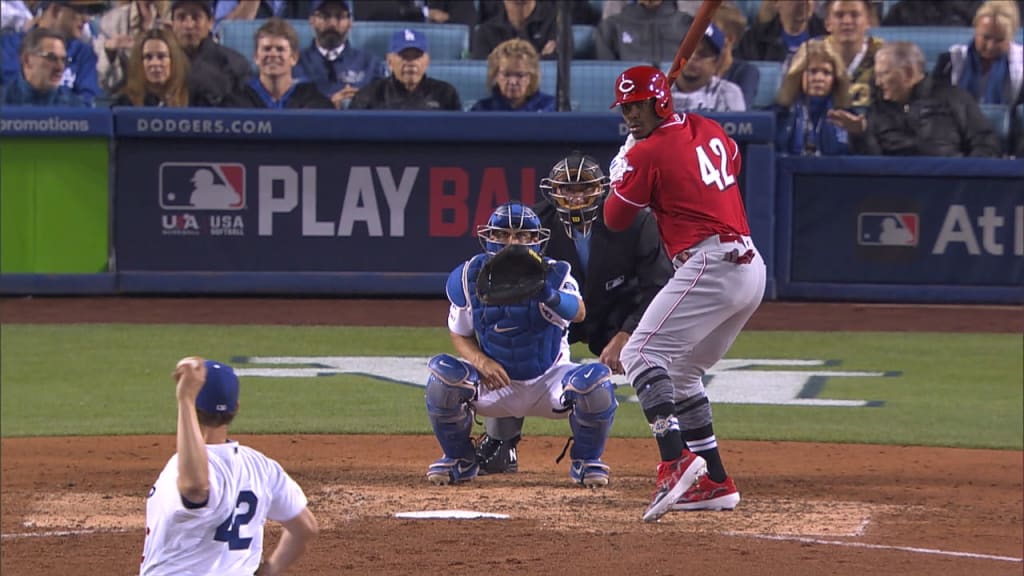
157	72
815	83
513	73
991	68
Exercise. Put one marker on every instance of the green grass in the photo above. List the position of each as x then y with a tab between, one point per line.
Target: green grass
953	389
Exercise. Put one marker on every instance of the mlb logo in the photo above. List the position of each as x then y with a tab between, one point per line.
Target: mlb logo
887	229
202	186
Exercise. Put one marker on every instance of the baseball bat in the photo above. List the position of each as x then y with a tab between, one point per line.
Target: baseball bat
700	23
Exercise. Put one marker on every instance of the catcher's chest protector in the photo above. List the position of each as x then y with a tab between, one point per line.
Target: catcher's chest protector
517	336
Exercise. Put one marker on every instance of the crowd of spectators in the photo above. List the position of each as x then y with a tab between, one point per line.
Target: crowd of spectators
843	91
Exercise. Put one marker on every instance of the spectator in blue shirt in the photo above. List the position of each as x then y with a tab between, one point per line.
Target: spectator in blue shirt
513	73
43	59
815	84
67	19
337	68
277	52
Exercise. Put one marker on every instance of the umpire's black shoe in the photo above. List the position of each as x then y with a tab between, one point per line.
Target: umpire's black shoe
497	456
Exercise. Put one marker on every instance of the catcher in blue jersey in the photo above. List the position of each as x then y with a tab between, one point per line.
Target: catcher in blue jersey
514	358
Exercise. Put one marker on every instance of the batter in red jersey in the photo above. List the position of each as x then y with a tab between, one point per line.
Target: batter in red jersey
685	169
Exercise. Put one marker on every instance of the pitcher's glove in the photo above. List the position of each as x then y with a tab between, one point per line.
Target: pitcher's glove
511	276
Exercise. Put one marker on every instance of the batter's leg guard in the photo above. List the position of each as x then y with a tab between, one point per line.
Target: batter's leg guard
451	387
589	391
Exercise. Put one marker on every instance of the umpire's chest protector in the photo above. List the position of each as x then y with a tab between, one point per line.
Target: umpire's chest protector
517	336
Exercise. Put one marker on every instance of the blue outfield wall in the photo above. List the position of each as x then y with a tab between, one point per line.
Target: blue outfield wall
908	229
329	203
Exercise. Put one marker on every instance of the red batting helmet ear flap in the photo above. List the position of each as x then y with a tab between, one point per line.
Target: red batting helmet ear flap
644	83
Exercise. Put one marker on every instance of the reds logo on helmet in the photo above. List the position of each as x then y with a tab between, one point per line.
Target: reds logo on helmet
641	83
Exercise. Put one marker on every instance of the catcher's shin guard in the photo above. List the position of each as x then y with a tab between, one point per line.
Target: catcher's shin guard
451	386
589	391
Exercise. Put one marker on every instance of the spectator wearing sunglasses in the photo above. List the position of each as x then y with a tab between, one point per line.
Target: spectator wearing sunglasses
43	58
67	19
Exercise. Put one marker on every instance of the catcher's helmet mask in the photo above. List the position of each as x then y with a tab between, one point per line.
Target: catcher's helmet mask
513	223
576	187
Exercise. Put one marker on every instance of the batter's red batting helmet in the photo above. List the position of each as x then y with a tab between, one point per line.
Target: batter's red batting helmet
644	83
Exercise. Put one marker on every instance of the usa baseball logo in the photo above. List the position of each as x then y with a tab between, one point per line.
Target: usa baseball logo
887	229
202	186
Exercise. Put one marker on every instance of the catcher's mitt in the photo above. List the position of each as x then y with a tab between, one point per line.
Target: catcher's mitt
511	276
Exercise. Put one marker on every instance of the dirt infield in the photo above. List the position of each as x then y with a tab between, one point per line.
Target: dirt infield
77	505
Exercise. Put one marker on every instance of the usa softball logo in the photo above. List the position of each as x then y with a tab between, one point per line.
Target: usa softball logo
202	186
887	229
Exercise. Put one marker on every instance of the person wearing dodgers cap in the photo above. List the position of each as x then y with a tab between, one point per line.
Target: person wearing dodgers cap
698	88
212	476
408	87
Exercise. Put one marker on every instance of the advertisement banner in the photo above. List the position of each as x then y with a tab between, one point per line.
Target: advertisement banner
908	229
315	207
54	205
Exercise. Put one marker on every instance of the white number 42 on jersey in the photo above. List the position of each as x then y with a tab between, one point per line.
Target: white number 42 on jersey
711	175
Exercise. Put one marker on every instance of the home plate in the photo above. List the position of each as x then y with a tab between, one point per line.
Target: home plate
448	514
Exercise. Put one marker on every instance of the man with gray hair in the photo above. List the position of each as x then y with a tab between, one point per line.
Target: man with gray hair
915	115
43	59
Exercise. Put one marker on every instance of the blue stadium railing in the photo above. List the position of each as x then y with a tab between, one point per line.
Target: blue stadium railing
382	203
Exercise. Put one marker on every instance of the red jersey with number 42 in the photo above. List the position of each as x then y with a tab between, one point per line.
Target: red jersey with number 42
687	171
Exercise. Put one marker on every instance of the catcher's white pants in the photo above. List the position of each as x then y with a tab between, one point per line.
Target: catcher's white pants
537	397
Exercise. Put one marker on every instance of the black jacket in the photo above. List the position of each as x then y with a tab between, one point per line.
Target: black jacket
217	72
625	272
305	95
763	41
642	34
939	120
540	27
459	11
944	13
390	94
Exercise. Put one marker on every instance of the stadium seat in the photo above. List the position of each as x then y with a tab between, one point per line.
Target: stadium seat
592	83
999	117
446	41
583	47
240	35
468	76
768	85
548	76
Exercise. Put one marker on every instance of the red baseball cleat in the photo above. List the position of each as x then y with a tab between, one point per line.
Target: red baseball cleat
707	494
674	478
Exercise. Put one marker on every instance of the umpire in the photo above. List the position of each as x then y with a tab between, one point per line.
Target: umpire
618	277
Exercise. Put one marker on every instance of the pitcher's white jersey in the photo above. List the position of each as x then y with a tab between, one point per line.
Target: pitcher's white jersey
224	537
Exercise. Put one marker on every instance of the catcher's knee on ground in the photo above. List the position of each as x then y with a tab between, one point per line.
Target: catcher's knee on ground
589	391
451	387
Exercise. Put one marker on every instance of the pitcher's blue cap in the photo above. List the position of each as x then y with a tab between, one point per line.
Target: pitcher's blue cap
220	393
